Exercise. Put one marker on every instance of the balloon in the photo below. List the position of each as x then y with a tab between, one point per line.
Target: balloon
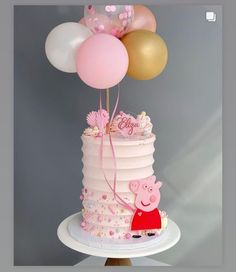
102	61
110	19
143	19
147	54
62	43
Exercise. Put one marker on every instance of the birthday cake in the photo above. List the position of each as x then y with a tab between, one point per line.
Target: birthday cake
120	193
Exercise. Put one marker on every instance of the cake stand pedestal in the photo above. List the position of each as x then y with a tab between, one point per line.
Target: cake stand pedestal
118	254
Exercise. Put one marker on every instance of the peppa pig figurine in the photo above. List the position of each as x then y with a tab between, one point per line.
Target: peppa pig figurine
146	216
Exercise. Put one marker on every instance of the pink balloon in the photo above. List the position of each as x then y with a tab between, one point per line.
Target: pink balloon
143	19
102	61
111	19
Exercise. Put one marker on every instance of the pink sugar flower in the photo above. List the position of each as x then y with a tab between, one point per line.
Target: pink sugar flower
83	224
127	235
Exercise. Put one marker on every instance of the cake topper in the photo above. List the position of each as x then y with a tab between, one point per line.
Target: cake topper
145	124
147	198
97	120
127	125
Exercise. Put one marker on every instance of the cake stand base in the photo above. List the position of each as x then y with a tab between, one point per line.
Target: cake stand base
100	261
118	253
118	262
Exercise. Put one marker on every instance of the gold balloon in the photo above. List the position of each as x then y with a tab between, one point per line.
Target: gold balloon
147	52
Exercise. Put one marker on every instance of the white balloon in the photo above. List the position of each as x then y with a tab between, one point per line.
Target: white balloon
62	44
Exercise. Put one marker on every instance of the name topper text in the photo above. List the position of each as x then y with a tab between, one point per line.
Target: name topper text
127	125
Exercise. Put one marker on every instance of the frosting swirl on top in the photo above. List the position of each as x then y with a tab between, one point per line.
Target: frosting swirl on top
91	131
145	123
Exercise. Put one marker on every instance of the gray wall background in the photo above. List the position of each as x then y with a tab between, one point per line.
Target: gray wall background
184	104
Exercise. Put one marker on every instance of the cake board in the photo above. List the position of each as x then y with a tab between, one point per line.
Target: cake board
119	253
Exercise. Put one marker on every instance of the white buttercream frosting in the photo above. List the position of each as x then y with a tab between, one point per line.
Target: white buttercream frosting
103	216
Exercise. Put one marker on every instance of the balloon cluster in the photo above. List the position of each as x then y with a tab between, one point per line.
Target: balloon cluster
109	42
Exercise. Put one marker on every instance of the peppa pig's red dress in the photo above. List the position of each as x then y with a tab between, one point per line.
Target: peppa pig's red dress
146	220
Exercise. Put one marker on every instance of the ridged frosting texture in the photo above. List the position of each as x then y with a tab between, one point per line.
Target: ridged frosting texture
102	215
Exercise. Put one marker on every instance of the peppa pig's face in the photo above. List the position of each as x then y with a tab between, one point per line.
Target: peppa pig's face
147	193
